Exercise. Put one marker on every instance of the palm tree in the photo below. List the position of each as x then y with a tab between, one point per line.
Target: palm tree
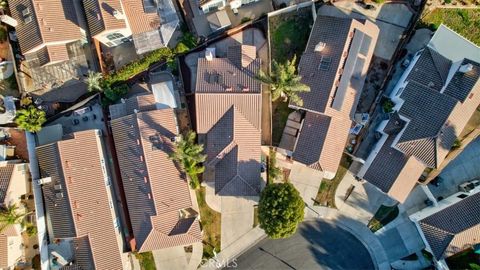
30	119
284	81
94	81
10	215
3	5
189	155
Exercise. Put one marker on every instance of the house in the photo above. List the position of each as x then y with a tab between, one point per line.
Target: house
157	193
149	23
50	39
14	185
82	218
434	100
334	66
228	119
213	5
452	226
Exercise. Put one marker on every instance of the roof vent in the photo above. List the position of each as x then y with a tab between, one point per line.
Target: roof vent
118	15
210	54
135	110
466	68
431	84
320	46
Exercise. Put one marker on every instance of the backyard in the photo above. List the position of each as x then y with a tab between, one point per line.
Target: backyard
210	222
464	21
289	34
326	192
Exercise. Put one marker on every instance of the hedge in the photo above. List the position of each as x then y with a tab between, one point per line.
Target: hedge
136	67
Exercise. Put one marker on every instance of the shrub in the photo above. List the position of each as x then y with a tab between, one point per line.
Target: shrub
245	19
132	69
116	93
280	210
181	48
388	105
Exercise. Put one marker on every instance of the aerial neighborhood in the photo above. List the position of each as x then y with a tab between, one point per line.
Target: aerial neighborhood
242	134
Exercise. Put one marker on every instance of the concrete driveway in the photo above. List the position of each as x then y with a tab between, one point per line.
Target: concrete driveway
463	168
306	181
316	245
237	218
176	258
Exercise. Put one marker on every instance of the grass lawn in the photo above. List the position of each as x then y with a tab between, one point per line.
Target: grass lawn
464	260
279	120
326	192
464	21
210	222
383	216
146	260
289	34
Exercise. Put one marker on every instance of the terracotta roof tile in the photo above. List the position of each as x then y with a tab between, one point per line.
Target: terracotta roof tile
6	171
3	251
83	208
156	191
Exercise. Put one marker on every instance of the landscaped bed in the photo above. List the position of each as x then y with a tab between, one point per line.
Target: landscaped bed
145	260
466	22
383	216
326	192
210	222
289	34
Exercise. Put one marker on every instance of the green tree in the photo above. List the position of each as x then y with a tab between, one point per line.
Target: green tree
30	119
189	155
284	81
10	215
115	93
280	210
3	5
94	81
273	171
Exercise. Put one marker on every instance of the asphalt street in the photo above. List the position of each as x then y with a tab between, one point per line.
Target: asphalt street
316	245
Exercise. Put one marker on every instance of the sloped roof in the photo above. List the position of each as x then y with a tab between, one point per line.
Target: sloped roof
442	227
6	171
236	72
228	112
233	152
155	189
100	16
3	251
77	202
311	139
431	69
140	103
51	21
436	116
395	124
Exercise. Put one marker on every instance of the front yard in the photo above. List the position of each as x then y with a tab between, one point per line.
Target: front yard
464	21
210	222
326	192
145	260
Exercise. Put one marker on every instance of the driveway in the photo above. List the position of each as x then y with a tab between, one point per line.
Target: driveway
237	218
176	258
316	245
463	168
306	181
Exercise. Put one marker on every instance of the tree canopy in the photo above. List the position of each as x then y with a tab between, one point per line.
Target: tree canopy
10	215
189	155
284	81
280	210
30	119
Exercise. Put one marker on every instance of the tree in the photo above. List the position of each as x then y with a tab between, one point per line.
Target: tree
114	94
3	5
10	215
273	171
30	119
189	155
284	81
280	210
94	81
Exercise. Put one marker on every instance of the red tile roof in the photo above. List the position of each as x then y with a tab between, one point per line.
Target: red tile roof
156	190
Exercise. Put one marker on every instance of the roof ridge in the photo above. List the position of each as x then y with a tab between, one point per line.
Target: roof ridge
223	153
436	64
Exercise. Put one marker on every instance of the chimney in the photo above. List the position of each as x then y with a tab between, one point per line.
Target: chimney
320	46
118	15
466	68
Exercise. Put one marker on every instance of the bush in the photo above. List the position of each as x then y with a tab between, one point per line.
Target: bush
116	93
280	210
456	144
31	230
388	105
132	69
245	19
181	48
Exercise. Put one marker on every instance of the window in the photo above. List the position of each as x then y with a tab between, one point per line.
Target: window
114	36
